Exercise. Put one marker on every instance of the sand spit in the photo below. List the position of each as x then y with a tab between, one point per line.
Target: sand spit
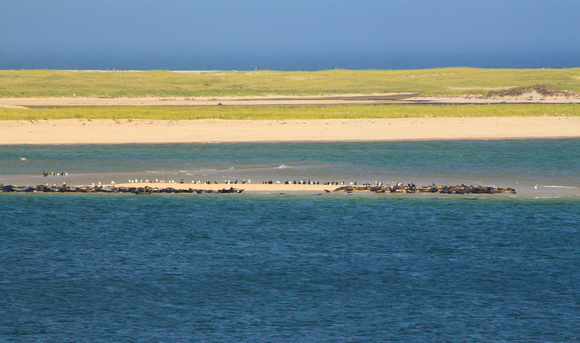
83	131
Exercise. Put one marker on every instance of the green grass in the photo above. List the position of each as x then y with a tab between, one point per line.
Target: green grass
443	82
447	81
283	113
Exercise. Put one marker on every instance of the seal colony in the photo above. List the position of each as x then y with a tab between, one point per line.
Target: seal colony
180	189
108	189
442	189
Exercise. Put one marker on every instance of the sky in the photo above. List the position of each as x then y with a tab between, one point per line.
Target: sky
278	27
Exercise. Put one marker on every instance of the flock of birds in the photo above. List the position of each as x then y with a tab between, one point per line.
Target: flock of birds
230	182
270	182
196	182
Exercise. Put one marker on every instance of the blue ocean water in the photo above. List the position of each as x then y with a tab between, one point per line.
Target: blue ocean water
309	62
294	267
99	267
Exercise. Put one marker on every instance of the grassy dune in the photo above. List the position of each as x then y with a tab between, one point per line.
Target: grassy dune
281	113
442	82
447	81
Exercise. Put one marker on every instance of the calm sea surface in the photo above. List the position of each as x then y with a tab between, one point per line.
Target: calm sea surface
294	267
309	62
281	268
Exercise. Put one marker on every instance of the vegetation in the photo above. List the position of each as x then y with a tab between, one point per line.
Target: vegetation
282	113
447	81
208	84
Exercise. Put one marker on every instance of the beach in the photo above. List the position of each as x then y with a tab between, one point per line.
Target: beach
83	131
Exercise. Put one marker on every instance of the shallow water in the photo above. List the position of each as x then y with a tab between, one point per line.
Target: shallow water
532	167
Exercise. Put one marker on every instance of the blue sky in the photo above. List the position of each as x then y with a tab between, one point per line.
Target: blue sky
289	27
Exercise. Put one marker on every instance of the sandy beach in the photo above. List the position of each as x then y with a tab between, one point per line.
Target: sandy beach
83	131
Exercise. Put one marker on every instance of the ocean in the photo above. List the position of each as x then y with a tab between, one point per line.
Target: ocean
295	266
288	62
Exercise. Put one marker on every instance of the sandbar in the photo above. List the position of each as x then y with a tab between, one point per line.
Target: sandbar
105	131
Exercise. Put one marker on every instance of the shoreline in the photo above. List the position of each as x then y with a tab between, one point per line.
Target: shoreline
128	131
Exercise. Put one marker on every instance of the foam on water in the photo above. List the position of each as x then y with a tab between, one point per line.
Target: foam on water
552	186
